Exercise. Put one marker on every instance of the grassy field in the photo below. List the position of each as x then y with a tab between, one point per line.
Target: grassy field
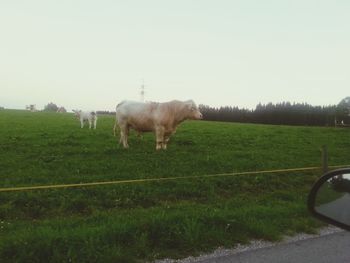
145	221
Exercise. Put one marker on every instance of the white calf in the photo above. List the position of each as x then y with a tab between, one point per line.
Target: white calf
89	116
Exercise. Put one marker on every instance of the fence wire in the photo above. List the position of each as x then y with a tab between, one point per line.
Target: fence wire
133	181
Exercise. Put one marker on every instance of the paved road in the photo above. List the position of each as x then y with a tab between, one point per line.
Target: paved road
324	249
335	209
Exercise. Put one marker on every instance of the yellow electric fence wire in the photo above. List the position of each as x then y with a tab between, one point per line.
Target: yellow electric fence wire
41	187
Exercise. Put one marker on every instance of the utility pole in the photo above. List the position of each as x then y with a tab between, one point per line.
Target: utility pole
142	93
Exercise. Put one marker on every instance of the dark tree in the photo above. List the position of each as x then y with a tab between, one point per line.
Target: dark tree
343	111
51	107
284	113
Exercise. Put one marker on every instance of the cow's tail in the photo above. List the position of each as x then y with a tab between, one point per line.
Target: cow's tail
115	127
116	119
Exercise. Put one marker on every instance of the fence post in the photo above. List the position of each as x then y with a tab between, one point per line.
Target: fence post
324	159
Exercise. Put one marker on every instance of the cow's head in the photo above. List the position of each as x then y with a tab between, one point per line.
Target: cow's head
193	111
77	113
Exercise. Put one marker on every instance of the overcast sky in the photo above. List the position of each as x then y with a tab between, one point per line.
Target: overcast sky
93	54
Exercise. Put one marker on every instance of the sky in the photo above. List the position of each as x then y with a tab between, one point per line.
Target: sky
90	55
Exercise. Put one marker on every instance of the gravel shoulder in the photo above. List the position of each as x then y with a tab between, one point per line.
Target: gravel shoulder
253	245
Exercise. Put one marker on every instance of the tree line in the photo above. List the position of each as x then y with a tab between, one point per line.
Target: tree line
284	113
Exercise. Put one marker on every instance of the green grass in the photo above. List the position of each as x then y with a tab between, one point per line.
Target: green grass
144	221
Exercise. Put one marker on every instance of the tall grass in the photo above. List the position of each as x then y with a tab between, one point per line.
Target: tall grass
145	221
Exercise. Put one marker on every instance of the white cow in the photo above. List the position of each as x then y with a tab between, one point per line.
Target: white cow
161	118
89	116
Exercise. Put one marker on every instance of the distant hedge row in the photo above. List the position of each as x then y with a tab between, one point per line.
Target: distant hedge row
281	113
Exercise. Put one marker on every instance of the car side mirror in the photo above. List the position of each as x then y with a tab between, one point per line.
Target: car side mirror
329	198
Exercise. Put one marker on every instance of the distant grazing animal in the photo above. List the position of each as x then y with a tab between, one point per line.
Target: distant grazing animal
61	110
31	108
89	116
161	118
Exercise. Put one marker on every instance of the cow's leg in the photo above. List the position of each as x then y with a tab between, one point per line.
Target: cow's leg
125	138
81	123
95	122
159	137
124	132
89	120
165	143
166	140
